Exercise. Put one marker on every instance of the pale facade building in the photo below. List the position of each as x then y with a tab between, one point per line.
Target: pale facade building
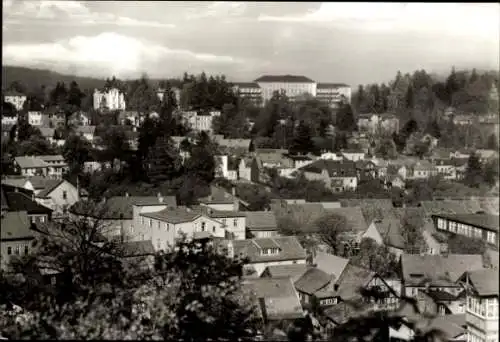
112	99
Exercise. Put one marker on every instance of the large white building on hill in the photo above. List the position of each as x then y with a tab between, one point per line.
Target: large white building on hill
263	88
112	99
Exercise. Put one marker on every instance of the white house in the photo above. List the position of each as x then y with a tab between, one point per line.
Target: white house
35	118
58	195
15	98
264	252
9	120
165	227
112	99
353	155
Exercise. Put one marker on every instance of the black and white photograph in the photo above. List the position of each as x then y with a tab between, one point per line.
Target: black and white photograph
250	171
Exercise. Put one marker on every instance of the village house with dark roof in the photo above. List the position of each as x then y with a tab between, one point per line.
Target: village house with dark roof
337	175
16	236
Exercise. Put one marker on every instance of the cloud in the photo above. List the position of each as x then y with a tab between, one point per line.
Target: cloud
473	20
216	9
55	13
119	55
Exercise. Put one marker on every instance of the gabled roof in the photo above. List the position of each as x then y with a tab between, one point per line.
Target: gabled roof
217	214
330	264
441	296
279	298
40	182
446	269
174	215
246	84
289	249
294	271
30	162
284	78
313	280
261	220
484	282
50	186
354	216
15	225
391	231
352	280
490	222
52	158
17	182
218	196
19	201
334	168
372	208
453	326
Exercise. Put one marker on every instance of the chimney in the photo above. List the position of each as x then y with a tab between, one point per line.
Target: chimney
160	197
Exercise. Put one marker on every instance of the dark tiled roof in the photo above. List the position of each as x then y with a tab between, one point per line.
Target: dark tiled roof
294	271
18	201
418	269
284	78
352	280
290	249
330	85
334	168
313	280
489	222
485	282
40	183
376	208
441	296
261	220
279	297
15	225
217	196
343	311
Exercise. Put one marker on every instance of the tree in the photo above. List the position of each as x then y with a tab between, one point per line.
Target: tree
412	235
459	244
257	198
164	161
201	162
433	129
116	142
490	172
387	149
345	118
144	99
302	142
376	258
409	99
76	152
330	229
474	172
452	85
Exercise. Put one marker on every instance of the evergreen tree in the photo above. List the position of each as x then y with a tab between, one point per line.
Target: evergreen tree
452	85
302	142
163	162
201	163
474	173
345	118
433	129
409	98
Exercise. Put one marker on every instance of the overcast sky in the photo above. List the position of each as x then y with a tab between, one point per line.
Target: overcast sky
330	42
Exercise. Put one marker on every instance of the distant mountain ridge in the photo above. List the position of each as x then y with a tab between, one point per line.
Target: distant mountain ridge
35	78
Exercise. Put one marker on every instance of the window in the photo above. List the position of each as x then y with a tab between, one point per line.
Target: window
158	224
492	307
167	226
441	223
158	244
213	229
9	250
26	249
491	237
142	219
478	233
235	222
203	226
65	195
17	250
224	221
150	222
453	227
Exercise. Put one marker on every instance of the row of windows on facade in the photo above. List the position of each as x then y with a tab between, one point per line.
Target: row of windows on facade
18	248
471	337
167	226
466	230
483	307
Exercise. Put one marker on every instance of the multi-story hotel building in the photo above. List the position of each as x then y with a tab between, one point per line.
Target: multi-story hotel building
482	305
263	88
112	99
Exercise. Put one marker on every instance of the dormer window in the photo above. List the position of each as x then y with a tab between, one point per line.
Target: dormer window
270	251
